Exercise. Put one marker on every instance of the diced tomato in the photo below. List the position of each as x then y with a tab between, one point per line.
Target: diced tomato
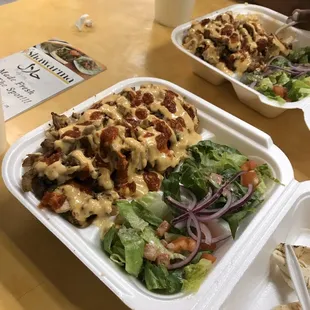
280	91
52	200
209	257
250	178
249	165
207	247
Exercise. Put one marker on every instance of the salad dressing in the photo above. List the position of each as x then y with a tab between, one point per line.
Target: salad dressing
83	205
64	146
104	179
141	186
85	162
55	171
224	68
242	65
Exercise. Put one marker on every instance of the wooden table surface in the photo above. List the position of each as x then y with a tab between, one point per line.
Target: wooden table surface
36	270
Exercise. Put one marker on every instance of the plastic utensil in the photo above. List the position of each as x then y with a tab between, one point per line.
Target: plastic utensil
285	26
297	17
297	277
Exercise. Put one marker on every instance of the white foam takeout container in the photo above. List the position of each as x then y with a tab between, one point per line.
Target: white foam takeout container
215	124
271	21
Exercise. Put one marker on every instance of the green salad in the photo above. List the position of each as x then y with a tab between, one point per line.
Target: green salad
284	79
165	239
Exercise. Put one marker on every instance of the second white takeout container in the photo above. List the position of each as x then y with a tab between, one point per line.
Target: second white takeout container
233	257
271	21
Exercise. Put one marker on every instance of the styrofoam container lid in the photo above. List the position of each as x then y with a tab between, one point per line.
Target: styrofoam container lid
271	21
215	124
262	283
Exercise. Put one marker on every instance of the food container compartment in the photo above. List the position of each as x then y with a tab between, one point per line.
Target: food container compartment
215	124
262	285
271	20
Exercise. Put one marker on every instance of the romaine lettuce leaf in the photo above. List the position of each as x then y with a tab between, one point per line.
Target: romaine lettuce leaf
194	274
236	218
206	149
158	278
280	62
134	249
206	157
194	178
264	172
283	79
269	93
298	55
250	77
273	77
106	243
118	248
171	185
117	259
126	210
306	80
304	59
299	90
265	84
154	203
146	215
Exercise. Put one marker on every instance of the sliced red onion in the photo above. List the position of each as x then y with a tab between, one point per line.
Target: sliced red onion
221	238
218	214
189	230
189	258
176	203
218	192
280	68
181	218
239	203
188	193
208	211
207	233
253	84
204	229
278	57
209	202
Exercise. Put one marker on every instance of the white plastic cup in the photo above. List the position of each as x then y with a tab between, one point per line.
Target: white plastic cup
2	129
172	13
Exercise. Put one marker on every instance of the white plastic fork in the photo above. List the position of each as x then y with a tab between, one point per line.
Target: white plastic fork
285	26
298	16
297	277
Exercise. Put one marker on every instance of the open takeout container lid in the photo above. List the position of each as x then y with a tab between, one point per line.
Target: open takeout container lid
259	280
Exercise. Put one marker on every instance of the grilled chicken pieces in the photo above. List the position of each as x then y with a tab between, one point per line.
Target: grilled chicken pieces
118	148
234	44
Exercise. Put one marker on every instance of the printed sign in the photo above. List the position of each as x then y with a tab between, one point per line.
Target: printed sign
29	77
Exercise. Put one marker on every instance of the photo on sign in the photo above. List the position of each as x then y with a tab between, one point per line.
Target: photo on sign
71	57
